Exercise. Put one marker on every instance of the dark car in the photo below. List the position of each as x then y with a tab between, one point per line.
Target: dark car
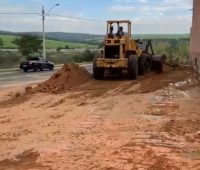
36	63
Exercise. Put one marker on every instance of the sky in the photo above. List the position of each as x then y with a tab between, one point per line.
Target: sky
147	16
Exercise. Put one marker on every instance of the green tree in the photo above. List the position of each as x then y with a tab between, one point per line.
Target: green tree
58	49
87	55
28	45
1	42
66	46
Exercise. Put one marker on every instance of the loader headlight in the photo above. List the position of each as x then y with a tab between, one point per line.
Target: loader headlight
108	41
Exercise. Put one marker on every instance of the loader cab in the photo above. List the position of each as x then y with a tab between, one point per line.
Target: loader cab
114	27
117	39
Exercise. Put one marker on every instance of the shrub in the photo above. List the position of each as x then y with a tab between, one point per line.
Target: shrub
9	59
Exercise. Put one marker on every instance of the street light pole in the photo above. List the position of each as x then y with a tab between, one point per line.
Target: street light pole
43	33
43	28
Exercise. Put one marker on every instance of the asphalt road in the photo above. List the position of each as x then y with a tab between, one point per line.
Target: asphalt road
17	78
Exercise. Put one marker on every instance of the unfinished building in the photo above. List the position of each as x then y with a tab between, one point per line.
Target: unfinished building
195	37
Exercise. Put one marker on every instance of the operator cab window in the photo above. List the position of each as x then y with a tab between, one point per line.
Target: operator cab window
124	29
117	30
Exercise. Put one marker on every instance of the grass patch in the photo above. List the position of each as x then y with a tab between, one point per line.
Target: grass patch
161	36
50	44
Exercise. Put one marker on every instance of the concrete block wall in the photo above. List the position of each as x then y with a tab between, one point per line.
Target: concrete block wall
195	37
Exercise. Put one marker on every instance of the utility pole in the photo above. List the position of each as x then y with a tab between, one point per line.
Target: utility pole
44	14
43	33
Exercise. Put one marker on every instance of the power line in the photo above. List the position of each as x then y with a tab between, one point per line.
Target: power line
19	13
77	18
96	20
83	19
57	15
137	24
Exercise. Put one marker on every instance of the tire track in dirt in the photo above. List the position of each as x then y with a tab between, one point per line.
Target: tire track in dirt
25	160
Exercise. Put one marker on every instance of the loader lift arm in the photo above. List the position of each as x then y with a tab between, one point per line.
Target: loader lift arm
149	45
156	61
145	46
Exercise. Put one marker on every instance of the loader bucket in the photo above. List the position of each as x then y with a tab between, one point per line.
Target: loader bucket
157	63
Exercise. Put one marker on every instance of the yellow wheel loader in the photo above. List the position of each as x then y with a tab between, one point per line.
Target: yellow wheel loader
121	52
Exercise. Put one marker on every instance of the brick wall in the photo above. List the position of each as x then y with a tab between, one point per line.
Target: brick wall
195	37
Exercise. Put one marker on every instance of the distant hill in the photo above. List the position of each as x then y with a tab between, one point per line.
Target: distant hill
61	36
91	38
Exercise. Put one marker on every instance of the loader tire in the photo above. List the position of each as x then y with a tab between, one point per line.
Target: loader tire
158	67
141	64
148	65
133	67
98	73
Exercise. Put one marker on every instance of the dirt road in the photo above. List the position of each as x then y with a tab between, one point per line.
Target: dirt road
116	124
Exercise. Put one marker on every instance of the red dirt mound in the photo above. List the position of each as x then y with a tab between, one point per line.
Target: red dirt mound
70	76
